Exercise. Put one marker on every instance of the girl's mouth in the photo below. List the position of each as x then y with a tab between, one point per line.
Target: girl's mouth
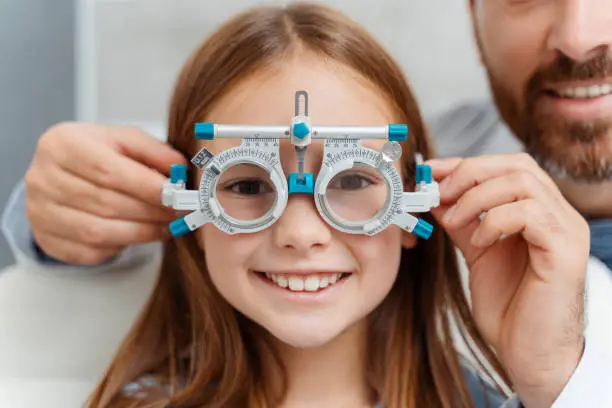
315	282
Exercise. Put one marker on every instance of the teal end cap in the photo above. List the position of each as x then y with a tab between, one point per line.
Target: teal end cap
423	229
423	174
398	132
179	227
301	130
205	131
178	172
305	185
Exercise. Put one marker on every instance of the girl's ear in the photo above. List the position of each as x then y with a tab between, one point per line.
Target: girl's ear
409	240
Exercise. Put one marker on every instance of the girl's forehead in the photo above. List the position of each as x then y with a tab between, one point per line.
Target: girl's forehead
337	95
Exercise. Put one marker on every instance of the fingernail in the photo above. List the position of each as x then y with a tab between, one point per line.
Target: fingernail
433	162
445	183
440	164
449	214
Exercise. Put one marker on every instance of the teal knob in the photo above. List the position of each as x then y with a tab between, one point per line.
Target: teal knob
423	229
423	174
205	131
301	130
398	132
178	172
179	227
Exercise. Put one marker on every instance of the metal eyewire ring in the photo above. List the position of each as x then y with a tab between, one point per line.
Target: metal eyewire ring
265	156
339	158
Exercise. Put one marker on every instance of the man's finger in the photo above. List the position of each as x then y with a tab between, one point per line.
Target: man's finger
473	171
498	191
461	237
142	147
95	231
441	168
72	252
540	227
84	196
108	169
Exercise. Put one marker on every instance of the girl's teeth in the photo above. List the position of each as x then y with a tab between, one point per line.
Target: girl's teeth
296	284
281	281
310	283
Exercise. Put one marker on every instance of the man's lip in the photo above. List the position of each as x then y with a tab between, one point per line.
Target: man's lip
580	109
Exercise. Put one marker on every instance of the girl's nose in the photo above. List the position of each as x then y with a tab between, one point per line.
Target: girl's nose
300	228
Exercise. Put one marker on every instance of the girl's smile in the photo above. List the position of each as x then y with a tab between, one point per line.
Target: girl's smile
308	286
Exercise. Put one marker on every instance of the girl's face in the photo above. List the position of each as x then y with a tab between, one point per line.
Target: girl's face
320	282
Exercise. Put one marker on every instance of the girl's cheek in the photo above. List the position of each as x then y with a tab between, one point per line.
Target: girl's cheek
383	248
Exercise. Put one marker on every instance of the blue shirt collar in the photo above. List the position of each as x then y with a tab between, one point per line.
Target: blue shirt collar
601	240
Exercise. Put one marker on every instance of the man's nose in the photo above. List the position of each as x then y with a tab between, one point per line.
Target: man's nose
300	228
582	28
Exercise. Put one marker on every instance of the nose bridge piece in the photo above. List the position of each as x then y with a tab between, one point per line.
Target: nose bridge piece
304	184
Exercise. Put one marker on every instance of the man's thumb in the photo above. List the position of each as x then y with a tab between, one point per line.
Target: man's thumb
147	150
461	237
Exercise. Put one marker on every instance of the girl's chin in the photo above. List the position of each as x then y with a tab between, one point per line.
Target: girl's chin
304	337
313	332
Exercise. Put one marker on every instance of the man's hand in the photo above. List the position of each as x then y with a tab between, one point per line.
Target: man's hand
527	259
93	190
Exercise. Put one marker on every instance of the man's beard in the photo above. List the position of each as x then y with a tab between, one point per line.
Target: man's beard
580	151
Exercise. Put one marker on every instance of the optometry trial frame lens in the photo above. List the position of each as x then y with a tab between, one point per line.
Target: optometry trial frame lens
368	202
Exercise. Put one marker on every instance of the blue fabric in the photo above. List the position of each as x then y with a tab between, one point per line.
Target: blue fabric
483	395
601	240
42	257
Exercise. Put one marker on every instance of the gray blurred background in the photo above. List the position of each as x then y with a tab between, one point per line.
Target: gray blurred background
116	61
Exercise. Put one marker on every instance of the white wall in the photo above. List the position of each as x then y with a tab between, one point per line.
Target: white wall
141	44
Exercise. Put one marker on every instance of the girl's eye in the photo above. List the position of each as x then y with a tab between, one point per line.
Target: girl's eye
249	187
350	182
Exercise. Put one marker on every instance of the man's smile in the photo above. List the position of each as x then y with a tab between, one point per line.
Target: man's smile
582	101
